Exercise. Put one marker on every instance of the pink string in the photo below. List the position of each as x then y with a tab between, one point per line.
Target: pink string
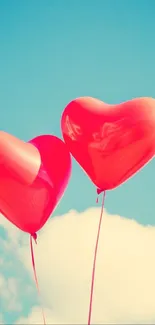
94	263
35	273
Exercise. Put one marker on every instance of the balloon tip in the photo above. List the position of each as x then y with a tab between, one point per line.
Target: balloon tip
99	191
34	236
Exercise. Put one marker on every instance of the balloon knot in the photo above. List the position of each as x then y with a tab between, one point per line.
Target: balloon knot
34	236
99	191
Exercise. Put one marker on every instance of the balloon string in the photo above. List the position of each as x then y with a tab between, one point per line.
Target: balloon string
35	273
94	263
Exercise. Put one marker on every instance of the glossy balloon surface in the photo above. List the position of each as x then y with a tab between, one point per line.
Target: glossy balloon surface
110	142
33	178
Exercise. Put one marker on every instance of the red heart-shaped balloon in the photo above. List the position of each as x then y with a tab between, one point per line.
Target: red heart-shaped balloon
110	142
33	178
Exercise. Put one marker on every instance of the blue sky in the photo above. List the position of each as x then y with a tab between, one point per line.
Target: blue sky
52	51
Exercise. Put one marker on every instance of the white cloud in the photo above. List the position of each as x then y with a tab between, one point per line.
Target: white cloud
35	318
9	295
10	286
125	273
13	302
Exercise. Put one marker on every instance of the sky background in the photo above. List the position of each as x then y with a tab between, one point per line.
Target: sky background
51	52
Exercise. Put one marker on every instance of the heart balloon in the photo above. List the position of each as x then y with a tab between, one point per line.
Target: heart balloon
33	178
110	142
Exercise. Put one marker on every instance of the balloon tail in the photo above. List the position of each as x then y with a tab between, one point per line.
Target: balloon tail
34	271
94	263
